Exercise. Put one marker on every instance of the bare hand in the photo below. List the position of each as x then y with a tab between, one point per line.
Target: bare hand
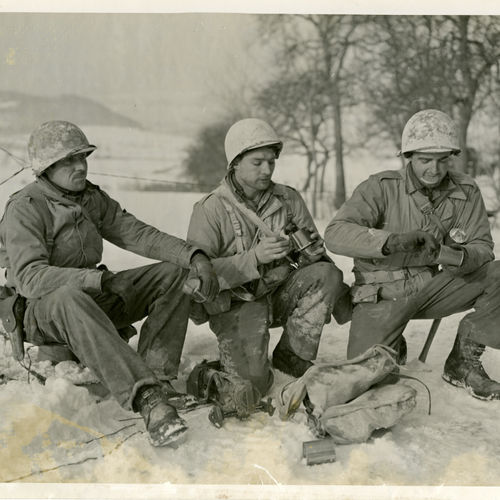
316	250
271	248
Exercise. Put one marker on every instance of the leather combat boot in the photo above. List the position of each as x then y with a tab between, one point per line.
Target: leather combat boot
179	400
233	394
286	361
464	369
163	424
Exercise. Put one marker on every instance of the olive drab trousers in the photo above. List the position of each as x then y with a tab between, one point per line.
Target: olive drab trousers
302	305
440	296
87	324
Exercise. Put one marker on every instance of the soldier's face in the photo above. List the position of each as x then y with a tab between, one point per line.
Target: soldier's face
255	169
430	168
69	173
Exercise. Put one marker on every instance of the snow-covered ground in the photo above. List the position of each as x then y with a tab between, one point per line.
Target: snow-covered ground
45	428
59	433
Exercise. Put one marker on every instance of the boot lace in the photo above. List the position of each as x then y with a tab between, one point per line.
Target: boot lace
476	350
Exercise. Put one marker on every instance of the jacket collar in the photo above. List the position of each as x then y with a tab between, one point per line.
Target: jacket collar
239	193
269	202
449	183
57	193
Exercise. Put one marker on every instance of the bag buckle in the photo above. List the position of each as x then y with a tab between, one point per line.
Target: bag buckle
427	208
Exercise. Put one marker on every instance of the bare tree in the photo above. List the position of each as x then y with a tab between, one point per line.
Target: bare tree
313	50
296	107
205	162
414	62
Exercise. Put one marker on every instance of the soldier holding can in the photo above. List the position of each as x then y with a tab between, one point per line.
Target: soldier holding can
400	226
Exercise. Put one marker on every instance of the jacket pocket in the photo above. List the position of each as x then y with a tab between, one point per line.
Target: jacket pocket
365	293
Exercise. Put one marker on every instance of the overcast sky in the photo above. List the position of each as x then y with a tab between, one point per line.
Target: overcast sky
164	70
167	71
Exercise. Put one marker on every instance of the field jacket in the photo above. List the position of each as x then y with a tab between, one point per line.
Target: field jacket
229	238
387	203
50	238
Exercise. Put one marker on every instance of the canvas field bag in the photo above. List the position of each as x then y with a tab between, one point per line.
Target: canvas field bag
342	399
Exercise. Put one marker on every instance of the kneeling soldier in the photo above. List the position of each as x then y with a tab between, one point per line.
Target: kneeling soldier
241	226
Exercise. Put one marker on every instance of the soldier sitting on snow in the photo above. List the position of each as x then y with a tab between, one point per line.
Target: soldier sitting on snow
398	226
52	240
263	283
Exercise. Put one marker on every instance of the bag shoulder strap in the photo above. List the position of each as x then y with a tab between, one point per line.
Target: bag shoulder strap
238	232
41	204
428	207
249	214
289	212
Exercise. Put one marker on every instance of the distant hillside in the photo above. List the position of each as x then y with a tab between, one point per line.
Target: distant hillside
21	113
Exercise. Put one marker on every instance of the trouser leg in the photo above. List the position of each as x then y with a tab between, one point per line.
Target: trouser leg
243	337
380	323
304	303
443	295
483	324
155	292
55	354
71	317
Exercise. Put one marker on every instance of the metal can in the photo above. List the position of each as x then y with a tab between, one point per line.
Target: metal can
458	235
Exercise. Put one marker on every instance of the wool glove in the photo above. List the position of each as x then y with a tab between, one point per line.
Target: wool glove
201	269
411	242
467	266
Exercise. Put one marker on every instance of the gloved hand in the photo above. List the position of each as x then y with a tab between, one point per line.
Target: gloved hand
411	242
467	266
201	269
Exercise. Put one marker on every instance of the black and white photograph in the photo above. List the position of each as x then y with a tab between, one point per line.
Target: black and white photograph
249	250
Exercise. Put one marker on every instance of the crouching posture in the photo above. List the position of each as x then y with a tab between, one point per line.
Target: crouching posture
241	226
400	226
52	240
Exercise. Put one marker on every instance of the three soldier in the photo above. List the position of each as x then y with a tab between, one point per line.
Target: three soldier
260	261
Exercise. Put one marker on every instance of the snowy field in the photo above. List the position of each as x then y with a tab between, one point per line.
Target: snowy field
59	433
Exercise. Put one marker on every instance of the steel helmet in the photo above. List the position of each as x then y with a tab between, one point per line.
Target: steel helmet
247	134
52	141
430	131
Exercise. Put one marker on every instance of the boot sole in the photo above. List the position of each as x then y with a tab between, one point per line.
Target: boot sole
463	385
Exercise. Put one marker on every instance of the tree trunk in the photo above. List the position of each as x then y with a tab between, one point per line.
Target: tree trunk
322	184
315	185
339	148
465	114
463	159
309	174
465	103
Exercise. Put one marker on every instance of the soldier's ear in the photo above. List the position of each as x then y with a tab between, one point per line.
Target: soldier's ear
236	163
